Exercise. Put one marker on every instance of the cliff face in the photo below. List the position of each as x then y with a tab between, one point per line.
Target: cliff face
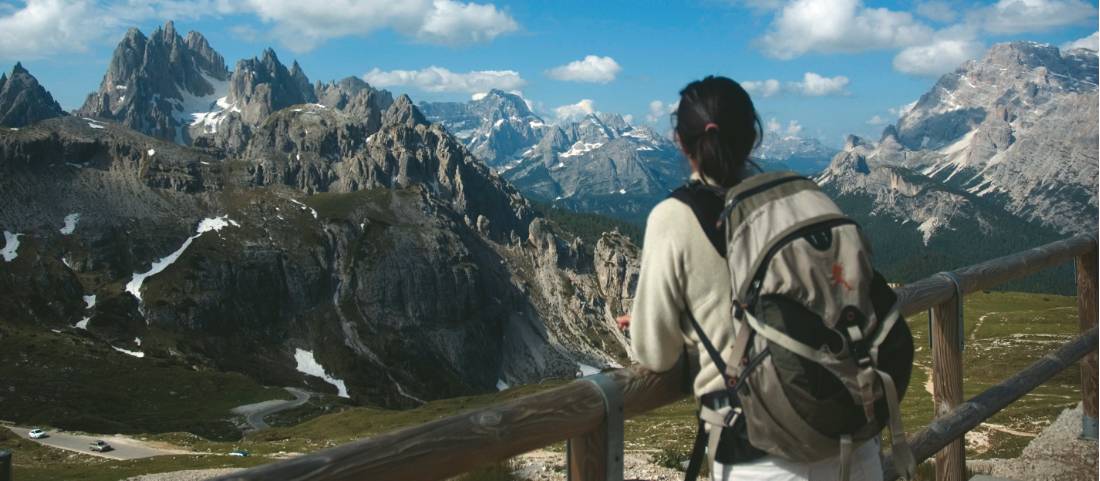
373	240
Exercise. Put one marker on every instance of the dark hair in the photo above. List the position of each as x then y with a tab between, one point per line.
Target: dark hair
718	127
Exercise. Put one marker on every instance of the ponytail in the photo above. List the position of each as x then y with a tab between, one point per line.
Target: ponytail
718	127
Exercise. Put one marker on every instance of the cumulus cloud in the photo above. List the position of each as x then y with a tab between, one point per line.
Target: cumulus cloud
575	111
765	88
811	85
1090	42
591	68
936	58
659	110
1019	16
302	26
833	26
815	85
877	120
902	110
937	11
44	27
774	126
439	79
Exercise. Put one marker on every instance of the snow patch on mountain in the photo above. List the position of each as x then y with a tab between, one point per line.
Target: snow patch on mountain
11	246
207	225
70	223
308	365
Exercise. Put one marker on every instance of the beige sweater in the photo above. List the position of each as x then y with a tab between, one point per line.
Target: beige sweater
681	271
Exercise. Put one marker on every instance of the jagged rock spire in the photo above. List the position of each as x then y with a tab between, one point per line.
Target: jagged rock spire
23	101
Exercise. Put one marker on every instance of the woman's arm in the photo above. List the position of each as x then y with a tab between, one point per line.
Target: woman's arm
658	302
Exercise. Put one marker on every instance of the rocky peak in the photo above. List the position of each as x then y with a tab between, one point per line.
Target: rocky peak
355	97
154	84
403	112
23	101
260	86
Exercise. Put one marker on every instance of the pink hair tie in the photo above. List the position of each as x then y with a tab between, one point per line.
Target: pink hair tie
710	126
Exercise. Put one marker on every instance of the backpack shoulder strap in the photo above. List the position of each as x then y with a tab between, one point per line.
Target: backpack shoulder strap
706	203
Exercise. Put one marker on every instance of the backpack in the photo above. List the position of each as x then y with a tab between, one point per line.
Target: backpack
821	354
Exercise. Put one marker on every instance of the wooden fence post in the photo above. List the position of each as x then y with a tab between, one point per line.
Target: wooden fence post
947	383
1086	314
587	457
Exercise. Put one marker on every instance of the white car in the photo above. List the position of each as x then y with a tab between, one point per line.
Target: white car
37	434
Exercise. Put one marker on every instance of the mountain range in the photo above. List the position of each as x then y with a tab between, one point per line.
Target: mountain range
598	162
1000	154
244	220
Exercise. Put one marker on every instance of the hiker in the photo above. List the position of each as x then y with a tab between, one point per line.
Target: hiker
819	414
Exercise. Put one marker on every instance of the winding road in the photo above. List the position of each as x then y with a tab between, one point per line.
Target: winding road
254	414
124	447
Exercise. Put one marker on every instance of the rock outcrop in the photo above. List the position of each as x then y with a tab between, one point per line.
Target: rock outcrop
158	84
23	101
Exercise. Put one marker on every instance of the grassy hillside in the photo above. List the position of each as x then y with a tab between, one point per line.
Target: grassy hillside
69	380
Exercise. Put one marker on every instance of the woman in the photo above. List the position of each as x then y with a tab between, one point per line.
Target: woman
684	276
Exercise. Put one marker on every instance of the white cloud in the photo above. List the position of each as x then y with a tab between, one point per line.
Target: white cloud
811	85
815	85
1018	16
577	110
44	27
774	126
936	58
902	110
937	11
765	88
659	110
591	69
628	118
439	79
794	128
451	22
832	26
1090	42
877	120
302	26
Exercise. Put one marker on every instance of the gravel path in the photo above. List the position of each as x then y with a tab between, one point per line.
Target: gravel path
190	475
550	466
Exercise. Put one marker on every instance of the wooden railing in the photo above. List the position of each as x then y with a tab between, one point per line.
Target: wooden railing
576	411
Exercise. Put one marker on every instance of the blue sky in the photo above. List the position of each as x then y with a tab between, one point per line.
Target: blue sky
822	68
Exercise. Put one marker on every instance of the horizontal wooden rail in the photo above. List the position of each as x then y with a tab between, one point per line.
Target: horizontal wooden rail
973	412
931	291
456	444
459	443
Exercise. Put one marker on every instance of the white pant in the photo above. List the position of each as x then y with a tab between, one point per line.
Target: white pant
866	466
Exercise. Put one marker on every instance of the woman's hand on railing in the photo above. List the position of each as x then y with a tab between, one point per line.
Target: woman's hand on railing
624	322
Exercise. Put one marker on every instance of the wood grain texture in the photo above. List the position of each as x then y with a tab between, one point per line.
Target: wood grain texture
588	457
947	385
456	444
973	412
1087	313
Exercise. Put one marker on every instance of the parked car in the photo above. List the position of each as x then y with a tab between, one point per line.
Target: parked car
240	453
37	433
100	446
